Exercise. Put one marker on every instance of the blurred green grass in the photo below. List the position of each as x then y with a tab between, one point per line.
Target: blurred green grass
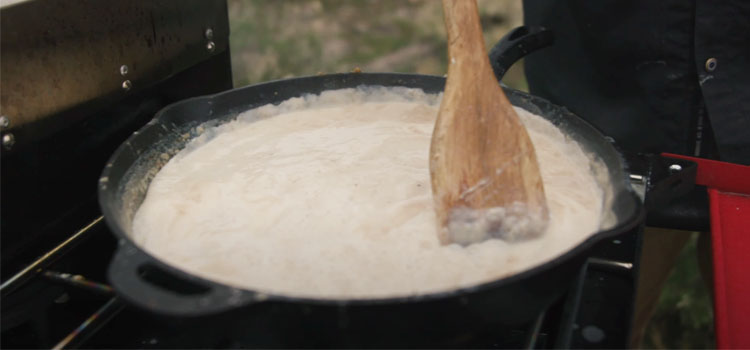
273	39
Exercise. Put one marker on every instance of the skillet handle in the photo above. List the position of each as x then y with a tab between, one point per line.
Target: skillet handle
516	44
159	288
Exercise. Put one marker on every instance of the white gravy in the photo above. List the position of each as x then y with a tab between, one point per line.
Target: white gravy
329	196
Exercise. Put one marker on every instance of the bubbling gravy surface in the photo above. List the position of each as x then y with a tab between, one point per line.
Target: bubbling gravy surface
328	196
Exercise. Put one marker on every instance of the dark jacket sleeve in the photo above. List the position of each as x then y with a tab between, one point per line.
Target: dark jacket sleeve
636	70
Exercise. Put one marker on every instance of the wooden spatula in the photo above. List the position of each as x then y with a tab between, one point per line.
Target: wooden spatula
485	175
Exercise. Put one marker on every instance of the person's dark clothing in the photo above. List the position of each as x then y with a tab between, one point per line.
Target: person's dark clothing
653	74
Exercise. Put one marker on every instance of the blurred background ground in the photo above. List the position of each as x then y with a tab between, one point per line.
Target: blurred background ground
278	39
274	39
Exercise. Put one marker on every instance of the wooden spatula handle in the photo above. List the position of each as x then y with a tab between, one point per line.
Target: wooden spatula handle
464	31
481	157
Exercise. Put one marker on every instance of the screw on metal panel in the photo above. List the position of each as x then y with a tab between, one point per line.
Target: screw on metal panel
675	168
210	46
593	334
4	122
9	140
209	33
124	70
126	85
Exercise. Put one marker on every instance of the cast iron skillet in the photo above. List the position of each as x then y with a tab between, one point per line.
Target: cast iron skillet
147	282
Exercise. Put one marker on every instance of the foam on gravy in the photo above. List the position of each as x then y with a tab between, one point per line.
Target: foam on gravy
329	196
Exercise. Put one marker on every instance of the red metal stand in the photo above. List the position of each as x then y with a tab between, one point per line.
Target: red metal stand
729	196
